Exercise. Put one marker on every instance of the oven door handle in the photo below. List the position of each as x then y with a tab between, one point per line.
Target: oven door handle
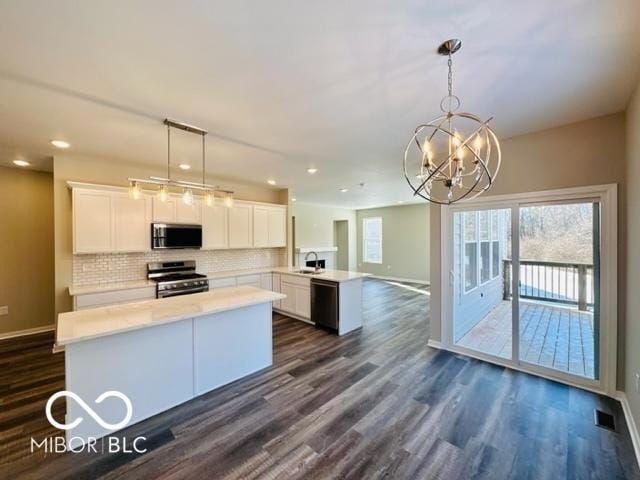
175	293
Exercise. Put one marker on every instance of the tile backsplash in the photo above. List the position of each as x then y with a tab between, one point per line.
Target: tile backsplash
122	267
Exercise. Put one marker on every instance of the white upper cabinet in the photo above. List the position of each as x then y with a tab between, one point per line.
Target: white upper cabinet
189	213
165	211
240	218
260	226
269	226
174	210
277	227
215	231
106	220
132	223
92	221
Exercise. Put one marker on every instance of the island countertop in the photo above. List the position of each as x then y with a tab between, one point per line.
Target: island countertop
99	322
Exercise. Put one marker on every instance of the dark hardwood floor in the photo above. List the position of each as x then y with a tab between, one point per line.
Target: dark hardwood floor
377	403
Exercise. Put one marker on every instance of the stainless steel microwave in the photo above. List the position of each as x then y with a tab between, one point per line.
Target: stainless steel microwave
175	235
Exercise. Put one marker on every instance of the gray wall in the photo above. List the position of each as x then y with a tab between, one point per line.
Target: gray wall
405	242
632	349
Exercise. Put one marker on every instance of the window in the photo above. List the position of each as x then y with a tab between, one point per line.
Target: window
470	251
372	240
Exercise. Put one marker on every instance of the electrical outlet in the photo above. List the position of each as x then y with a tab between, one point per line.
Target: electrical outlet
637	382
4	310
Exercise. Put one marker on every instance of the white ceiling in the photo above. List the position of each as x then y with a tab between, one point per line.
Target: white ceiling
284	85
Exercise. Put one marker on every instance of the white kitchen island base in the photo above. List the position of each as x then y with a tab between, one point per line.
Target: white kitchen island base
165	364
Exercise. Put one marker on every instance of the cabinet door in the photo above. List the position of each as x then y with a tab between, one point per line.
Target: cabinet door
92	222
189	213
277	227
240	226
303	301
132	223
214	227
288	304
265	281
261	226
251	280
164	211
275	286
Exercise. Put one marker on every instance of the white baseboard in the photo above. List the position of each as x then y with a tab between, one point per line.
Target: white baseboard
28	331
434	344
400	279
631	424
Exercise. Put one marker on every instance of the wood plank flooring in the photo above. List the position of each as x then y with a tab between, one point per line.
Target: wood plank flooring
555	337
377	403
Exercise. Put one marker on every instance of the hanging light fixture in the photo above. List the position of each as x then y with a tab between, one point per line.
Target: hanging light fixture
444	163
187	187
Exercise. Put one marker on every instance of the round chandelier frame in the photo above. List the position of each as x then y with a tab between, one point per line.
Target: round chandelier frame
435	166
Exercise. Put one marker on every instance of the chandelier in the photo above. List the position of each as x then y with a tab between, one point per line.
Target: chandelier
454	156
164	184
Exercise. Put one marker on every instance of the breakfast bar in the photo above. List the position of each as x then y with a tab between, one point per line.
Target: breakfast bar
161	352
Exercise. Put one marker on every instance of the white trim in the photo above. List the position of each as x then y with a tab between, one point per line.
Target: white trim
631	423
316	249
399	279
607	195
434	344
28	331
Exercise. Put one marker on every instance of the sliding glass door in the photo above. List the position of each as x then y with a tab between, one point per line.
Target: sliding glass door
524	285
558	286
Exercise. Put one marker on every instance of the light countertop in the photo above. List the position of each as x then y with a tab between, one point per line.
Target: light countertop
332	275
99	322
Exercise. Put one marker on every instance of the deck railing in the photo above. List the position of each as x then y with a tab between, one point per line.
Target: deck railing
569	283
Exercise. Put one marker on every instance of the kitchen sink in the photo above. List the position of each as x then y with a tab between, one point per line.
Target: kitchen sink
310	272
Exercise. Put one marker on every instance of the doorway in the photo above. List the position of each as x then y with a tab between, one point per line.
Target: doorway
341	241
532	283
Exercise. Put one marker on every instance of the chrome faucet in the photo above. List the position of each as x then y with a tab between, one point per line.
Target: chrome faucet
306	257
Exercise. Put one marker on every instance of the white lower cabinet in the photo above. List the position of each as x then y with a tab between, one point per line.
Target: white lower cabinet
298	292
216	283
275	287
103	299
252	280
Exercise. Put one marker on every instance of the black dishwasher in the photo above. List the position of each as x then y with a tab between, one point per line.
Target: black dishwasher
324	304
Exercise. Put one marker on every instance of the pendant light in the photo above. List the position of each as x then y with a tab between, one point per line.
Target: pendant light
455	155
209	191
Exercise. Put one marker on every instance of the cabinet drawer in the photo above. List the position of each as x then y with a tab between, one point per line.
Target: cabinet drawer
102	299
253	280
296	280
222	283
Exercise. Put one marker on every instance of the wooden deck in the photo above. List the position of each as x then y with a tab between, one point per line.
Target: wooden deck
555	337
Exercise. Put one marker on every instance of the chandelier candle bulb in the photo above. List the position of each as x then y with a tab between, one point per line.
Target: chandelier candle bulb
134	190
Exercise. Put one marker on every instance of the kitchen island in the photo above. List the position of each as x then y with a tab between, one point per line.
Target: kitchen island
161	352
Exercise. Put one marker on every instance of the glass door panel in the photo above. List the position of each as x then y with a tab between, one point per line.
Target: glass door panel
482	309
558	287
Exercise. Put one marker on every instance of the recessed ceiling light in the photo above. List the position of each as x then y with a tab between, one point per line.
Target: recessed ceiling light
400	201
293	199
60	143
185	166
21	163
271	182
344	190
312	170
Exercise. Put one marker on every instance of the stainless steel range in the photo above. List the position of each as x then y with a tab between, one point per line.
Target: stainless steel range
176	278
